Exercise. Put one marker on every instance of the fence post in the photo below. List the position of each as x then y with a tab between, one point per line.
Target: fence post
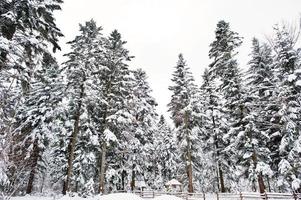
240	195
265	195
217	197
295	196
204	195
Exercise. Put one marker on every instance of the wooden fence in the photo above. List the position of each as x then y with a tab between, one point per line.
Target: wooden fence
149	194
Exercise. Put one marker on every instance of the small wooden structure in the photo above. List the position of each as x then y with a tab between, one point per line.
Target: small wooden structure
141	185
174	186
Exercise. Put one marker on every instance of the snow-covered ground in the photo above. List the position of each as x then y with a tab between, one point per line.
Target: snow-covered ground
116	196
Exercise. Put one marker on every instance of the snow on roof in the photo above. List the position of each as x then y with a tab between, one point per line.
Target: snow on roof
173	182
140	184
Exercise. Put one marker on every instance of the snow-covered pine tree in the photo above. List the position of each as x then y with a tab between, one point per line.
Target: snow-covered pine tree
114	89
22	18
82	64
284	143
210	122
143	108
35	117
224	73
166	155
183	114
26	29
254	156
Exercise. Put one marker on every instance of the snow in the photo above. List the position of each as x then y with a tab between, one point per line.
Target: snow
76	197
9	15
29	197
131	196
284	166
173	182
110	136
120	196
4	43
298	82
167	197
292	77
296	184
264	168
116	196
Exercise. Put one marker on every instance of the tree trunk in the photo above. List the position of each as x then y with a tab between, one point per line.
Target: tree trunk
72	143
259	176
220	178
101	188
189	157
34	156
189	173
102	168
268	181
133	178
261	183
123	175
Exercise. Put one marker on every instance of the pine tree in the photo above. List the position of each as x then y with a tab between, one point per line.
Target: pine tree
183	116
166	154
287	66
143	107
254	155
114	81
210	123
224	73
26	30
49	92
82	63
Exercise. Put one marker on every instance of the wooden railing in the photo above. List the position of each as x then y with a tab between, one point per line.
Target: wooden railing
149	194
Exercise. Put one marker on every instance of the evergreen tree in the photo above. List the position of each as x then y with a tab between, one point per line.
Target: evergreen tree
34	121
254	155
210	123
114	81
143	107
39	112
166	154
26	30
182	109
224	73
283	143
82	64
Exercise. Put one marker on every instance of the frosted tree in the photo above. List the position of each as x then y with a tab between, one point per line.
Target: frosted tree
254	156
145	120
83	62
140	135
166	155
26	30
210	123
36	116
183	114
27	27
284	142
224	74
114	81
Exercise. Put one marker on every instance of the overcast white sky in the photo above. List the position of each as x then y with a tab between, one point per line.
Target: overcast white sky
158	30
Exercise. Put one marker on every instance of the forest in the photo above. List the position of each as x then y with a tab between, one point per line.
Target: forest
90	126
